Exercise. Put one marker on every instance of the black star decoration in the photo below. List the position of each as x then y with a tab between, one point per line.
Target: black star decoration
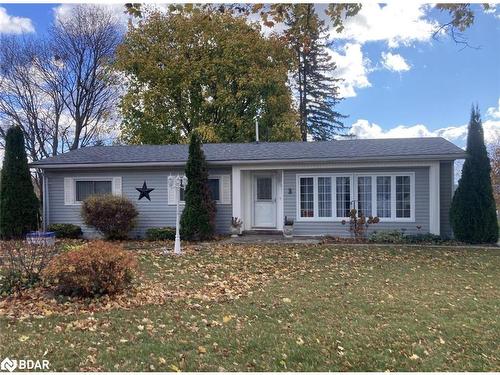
144	191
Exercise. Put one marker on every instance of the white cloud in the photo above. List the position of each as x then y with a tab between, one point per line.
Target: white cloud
394	62
14	25
493	112
397	23
118	10
364	129
352	67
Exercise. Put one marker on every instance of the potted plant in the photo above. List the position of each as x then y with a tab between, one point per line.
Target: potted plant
288	228
236	226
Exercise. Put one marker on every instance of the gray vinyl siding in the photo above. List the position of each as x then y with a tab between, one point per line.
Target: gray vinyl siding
336	228
154	213
445	196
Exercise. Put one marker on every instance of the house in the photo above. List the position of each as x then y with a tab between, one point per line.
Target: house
407	183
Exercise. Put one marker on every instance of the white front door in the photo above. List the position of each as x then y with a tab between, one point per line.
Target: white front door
264	198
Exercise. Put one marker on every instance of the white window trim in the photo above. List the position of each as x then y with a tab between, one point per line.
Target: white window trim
354	195
90	178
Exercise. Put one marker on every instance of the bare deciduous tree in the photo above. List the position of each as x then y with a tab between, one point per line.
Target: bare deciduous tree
61	90
84	45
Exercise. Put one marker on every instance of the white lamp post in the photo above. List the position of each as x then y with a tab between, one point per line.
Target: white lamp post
176	183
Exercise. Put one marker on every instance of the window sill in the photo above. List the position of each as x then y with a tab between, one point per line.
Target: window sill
339	220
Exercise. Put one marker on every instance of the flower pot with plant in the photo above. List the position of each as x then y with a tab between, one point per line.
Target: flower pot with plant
288	227
236	226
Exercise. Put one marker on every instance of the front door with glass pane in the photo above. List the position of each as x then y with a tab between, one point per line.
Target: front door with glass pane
264	197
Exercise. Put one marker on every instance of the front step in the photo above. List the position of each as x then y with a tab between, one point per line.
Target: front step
262	231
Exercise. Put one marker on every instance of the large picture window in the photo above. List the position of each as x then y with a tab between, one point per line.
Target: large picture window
330	197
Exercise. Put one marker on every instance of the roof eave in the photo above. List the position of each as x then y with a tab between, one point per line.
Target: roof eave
449	157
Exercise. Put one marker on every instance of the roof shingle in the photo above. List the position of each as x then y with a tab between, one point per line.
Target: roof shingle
359	149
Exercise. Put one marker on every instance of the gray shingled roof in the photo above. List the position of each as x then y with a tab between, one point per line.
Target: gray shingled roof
359	149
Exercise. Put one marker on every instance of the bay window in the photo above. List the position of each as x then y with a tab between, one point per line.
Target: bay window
330	197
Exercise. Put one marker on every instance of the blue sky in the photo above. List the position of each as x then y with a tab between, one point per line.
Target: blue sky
398	80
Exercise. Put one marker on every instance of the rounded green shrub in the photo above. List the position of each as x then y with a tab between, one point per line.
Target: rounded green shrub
160	234
66	230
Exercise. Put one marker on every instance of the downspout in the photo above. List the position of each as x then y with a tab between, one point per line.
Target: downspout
45	202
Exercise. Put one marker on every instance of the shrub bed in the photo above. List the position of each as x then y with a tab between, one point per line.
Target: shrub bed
387	236
111	215
71	231
395	236
93	269
160	234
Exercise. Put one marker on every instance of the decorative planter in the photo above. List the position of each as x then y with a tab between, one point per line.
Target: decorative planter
41	238
235	231
288	231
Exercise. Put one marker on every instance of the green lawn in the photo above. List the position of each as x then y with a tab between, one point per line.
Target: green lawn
277	308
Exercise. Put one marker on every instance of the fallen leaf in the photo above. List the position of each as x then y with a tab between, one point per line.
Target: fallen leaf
175	368
202	350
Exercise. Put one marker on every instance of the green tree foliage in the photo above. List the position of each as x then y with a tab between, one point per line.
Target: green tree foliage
198	217
204	70
473	213
18	204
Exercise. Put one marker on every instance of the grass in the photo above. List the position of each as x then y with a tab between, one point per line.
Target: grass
276	308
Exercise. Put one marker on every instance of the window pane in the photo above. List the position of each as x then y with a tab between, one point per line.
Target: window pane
102	187
307	197
384	196
83	190
86	188
181	194
325	196
365	195
343	196
403	205
213	185
264	188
